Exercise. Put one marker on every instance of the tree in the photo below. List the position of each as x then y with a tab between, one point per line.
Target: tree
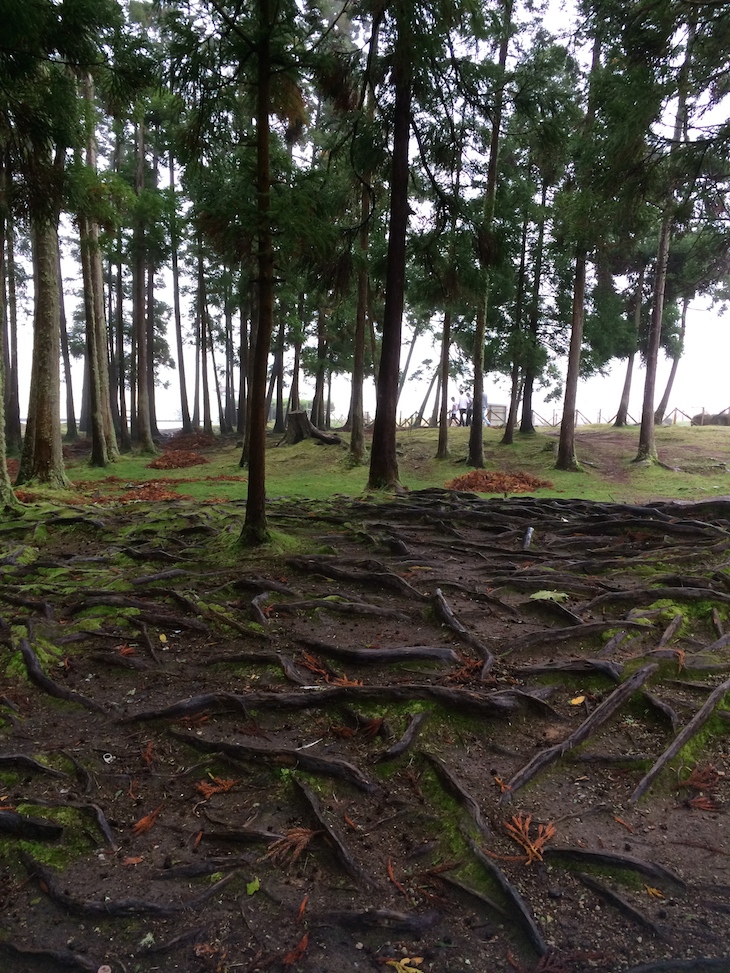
383	458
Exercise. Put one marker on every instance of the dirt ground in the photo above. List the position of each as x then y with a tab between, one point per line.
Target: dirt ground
441	733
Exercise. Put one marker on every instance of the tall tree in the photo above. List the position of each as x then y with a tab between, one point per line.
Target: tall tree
383	458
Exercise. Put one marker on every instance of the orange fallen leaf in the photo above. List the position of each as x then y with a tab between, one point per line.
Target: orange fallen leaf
147	755
219	786
132	860
144	824
394	880
624	823
294	955
302	907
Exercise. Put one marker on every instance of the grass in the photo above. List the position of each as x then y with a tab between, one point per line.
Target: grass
695	464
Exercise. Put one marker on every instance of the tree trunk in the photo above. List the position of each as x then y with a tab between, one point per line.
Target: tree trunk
476	445
357	411
383	457
417	330
124	437
99	454
72	433
647	440
12	425
527	424
623	408
299	427
143	424
42	457
567	459
150	336
7	497
255	528
279	378
662	407
517	342
174	245
317	414
100	361
419	415
203	326
442	450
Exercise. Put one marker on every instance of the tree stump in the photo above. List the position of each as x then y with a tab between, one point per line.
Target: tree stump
299	427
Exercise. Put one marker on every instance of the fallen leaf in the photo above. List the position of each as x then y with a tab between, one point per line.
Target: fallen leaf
624	823
577	700
144	824
132	861
302	907
253	887
549	595
294	955
394	880
655	893
401	965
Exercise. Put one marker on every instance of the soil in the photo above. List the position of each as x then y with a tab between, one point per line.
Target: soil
422	737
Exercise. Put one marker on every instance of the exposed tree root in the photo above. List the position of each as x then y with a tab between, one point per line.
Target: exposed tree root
447	616
622	904
38	677
600	714
456	789
403	653
406	741
694	725
65	958
342	852
29	828
48	883
486	704
518	907
283	757
28	763
405	923
614	860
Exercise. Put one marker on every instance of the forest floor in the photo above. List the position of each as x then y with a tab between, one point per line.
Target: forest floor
433	733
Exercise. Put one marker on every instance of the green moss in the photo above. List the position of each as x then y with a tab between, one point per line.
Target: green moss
74	843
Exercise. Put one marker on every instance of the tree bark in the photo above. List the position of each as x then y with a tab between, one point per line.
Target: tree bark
174	245
99	454
13	428
527	424
647	440
664	402
517	343
42	457
442	450
567	459
383	458
476	444
255	528
623	408
143	428
7	497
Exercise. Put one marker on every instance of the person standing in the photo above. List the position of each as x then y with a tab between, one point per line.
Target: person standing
485	409
454	421
469	409
463	406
